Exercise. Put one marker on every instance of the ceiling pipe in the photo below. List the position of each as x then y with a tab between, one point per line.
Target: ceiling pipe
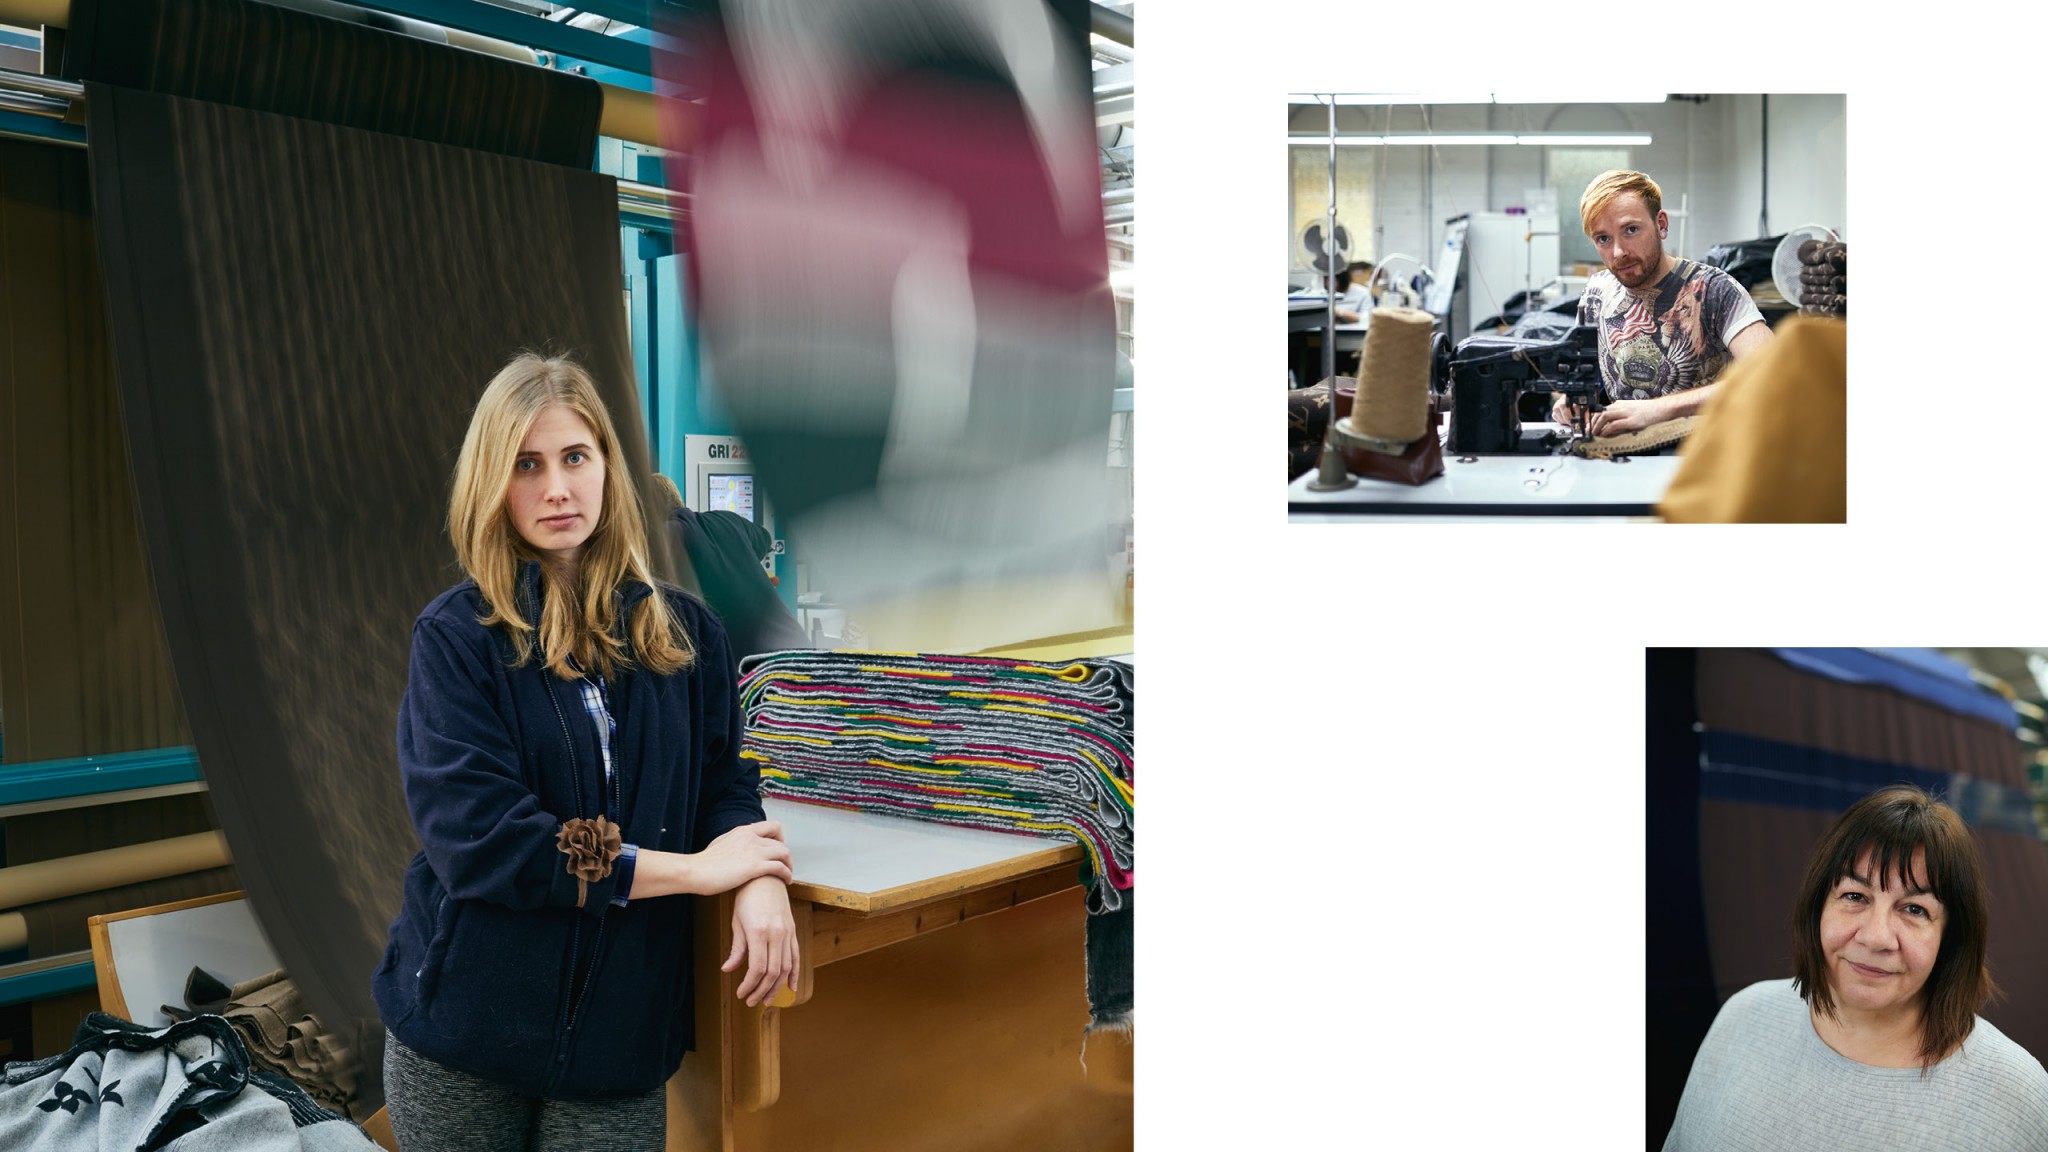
34	13
626	115
1110	24
57	14
1115	52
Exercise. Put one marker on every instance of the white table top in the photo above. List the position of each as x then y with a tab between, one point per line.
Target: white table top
1505	486
869	862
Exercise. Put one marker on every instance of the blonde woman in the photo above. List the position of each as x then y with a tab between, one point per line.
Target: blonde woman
569	741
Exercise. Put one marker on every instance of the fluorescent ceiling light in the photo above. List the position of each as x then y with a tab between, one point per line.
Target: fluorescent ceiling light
1401	98
1581	98
1123	278
1489	138
1350	98
1617	138
1613	140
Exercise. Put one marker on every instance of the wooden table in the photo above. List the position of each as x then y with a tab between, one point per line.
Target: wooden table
946	965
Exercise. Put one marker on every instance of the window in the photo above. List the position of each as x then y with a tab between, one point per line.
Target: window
1308	189
1571	169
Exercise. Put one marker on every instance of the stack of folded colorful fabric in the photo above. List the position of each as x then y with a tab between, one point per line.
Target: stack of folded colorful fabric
979	741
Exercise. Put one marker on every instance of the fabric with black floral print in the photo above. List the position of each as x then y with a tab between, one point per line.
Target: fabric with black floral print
180	1089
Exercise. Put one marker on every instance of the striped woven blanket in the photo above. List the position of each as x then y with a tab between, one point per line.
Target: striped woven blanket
976	741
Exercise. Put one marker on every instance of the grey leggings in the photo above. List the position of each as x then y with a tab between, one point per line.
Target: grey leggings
434	1108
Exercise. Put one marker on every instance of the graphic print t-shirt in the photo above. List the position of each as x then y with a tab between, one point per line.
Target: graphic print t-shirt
1670	336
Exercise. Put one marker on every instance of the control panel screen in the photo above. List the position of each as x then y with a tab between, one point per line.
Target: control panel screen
730	492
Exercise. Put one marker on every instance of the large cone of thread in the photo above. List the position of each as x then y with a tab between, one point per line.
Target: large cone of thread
1393	377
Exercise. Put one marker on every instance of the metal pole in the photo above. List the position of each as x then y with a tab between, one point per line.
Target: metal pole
1331	474
1763	216
1330	277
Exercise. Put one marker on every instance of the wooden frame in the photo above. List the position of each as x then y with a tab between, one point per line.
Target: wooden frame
111	999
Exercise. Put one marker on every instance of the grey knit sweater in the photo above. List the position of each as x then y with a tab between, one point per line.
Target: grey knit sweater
1764	1080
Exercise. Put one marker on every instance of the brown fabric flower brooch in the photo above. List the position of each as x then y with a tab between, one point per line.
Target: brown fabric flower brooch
591	846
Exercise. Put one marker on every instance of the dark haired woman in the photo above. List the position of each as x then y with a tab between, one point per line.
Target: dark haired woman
1875	1041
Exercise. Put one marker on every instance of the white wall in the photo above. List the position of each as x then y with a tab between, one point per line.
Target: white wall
1808	136
1707	156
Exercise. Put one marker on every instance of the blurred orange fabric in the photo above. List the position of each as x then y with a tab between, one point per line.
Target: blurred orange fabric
1772	446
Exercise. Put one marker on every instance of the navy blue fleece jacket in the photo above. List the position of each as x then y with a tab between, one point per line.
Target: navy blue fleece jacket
491	968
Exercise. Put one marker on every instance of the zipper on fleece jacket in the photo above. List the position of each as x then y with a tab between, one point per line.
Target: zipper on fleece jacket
574	1003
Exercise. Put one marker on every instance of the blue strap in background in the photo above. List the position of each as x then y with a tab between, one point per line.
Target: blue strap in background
1921	673
1754	770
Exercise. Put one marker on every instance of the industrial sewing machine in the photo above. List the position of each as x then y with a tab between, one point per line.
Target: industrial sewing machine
1487	376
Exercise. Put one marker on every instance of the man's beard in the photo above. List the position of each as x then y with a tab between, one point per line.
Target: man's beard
1639	275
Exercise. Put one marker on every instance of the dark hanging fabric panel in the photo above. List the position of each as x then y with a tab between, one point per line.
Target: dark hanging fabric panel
1871	722
83	667
269	58
1783	751
303	318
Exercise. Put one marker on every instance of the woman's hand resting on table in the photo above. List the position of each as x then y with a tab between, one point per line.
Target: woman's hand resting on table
764	936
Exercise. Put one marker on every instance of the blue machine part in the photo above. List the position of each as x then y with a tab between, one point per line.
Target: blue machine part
1917	672
47	982
40	128
90	775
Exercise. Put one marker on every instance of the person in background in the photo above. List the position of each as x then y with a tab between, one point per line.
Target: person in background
725	551
1355	300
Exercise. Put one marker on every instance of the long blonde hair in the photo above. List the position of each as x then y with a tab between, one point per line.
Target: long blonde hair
575	621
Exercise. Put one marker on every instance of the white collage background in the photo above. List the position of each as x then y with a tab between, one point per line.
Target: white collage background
1393	787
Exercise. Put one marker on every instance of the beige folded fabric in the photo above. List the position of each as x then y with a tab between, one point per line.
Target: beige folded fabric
281	1037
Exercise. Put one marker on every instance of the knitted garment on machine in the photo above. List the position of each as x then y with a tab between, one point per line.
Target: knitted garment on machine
1656	436
976	741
